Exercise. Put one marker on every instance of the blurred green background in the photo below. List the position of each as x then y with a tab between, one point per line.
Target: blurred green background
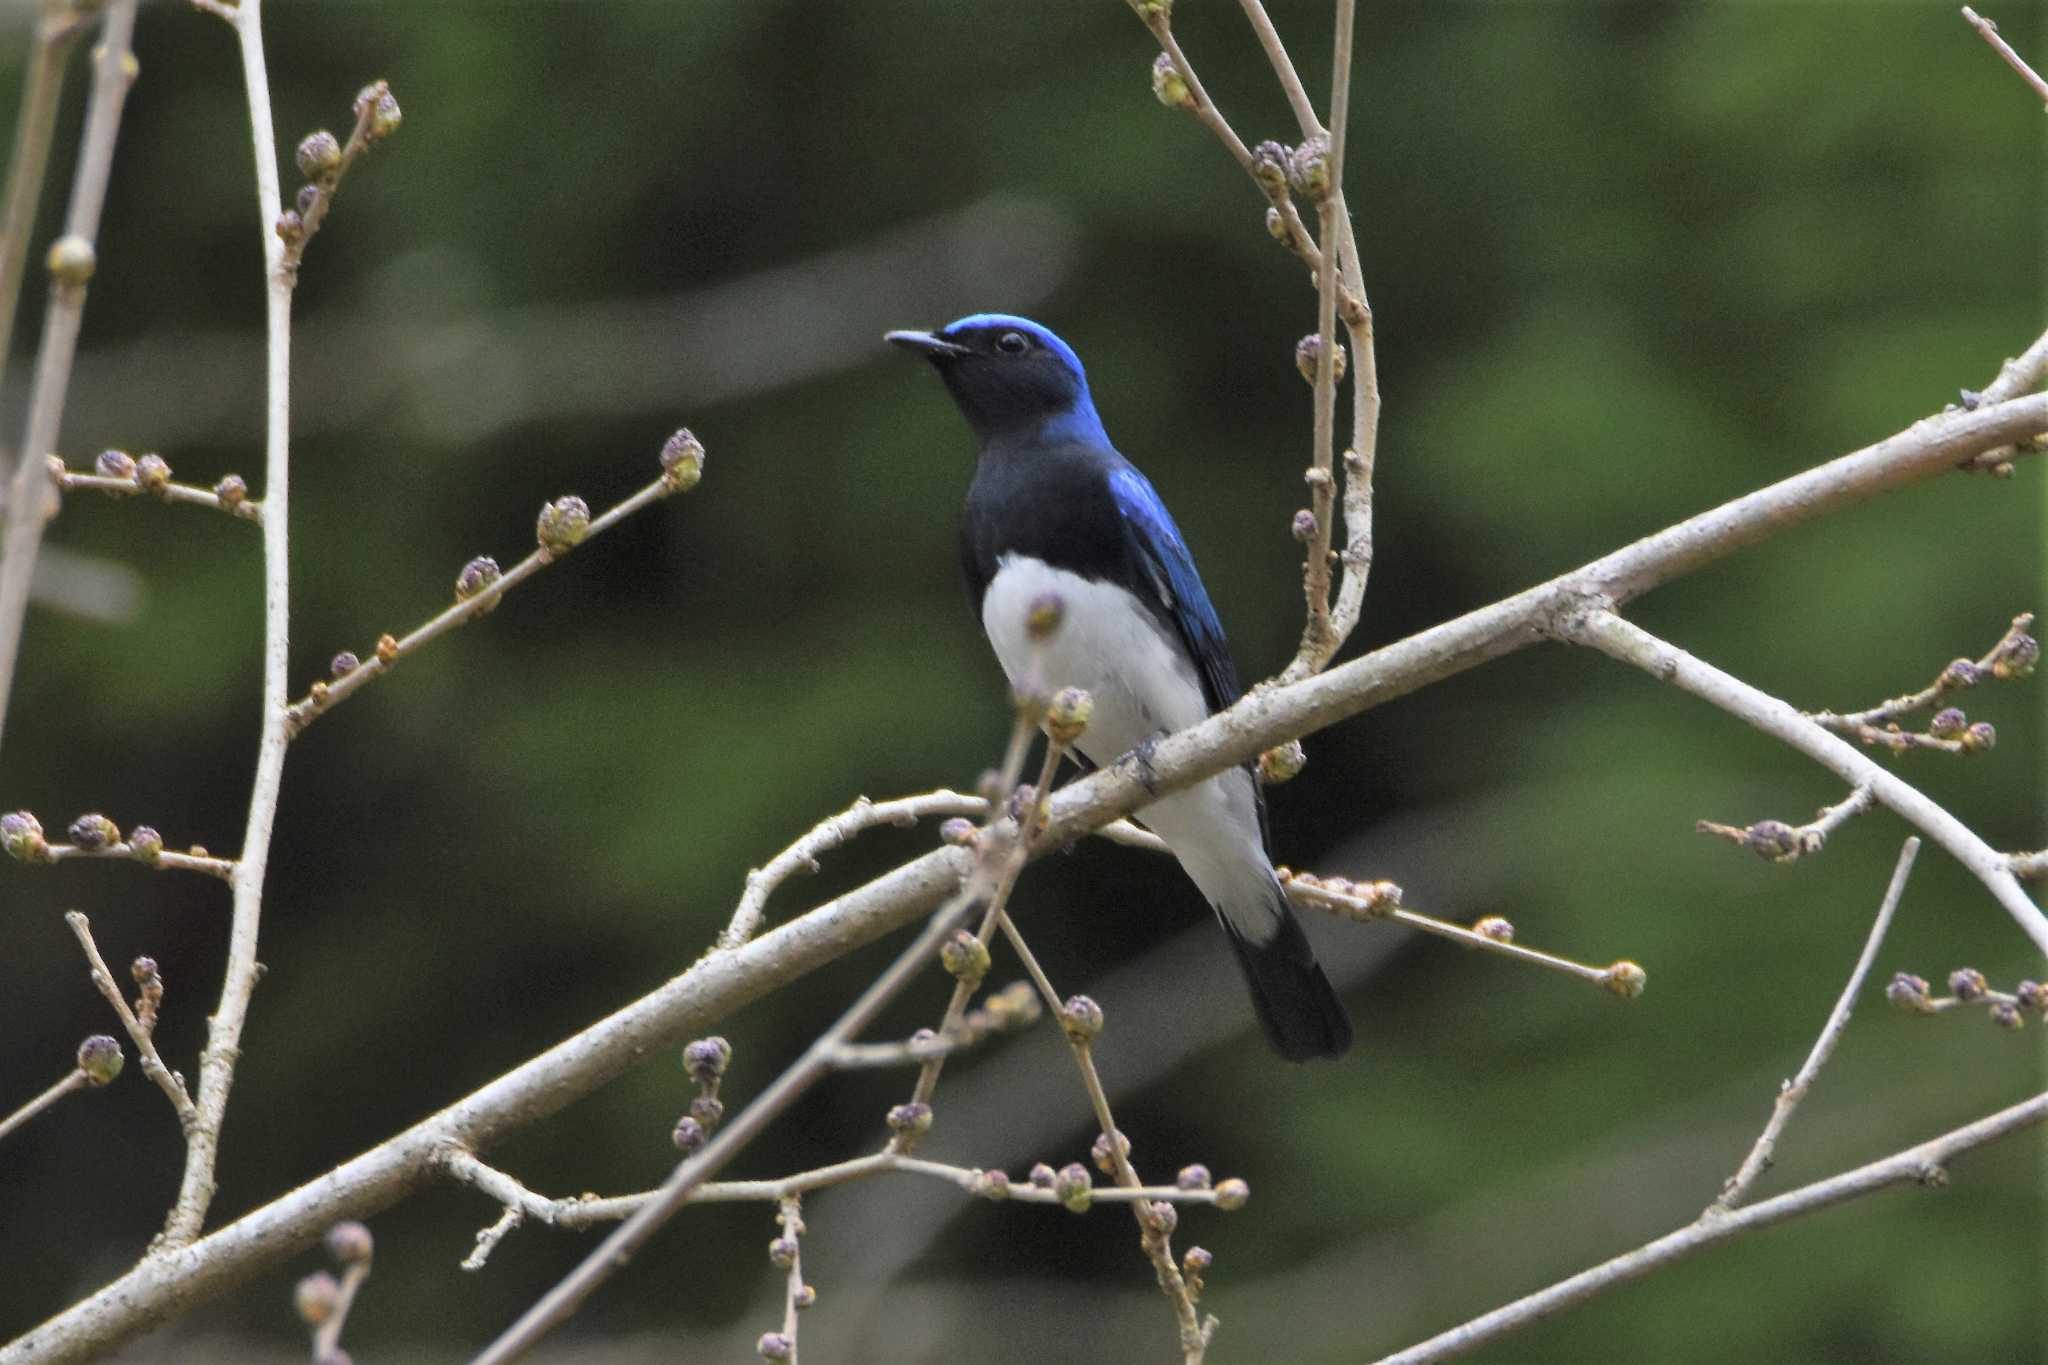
1627	261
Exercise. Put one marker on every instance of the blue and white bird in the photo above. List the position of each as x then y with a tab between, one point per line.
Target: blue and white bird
1054	509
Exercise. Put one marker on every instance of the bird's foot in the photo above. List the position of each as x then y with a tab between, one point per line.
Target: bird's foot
1139	760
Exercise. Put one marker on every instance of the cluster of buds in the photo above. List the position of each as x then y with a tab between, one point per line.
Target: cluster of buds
1967	986
705	1060
1354	900
321	1299
92	834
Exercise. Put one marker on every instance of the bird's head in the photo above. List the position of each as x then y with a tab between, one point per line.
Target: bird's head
1010	377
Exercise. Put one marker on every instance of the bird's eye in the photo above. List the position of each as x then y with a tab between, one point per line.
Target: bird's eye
1013	343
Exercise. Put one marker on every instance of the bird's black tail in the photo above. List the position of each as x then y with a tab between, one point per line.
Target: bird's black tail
1299	1011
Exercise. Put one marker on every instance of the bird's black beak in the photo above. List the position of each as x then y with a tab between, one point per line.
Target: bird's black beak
930	345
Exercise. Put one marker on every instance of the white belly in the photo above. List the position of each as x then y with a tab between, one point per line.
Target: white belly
1144	687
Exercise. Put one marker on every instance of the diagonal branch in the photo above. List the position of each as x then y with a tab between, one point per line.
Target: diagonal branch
1926	1165
1760	1156
1619	639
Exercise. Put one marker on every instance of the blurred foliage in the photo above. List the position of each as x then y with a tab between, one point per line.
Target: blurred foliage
1627	260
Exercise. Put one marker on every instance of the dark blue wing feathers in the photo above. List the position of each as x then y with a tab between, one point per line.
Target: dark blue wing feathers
1164	565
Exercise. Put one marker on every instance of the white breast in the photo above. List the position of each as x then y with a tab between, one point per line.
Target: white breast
1143	683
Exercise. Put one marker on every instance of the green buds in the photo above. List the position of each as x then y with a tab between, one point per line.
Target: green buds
94	832
1081	1017
1625	979
1066	720
145	843
682	461
910	1120
1309	168
1074	1187
71	260
965	957
21	834
100	1059
153	474
319	155
562	524
1270	163
1169	87
1308	352
476	576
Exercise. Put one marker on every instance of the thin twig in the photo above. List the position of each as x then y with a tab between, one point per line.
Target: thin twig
1959	676
67	480
75	1081
790	1217
1782	843
1761	1155
42	90
224	1025
165	860
1621	639
322	697
29	496
143	1037
327	1336
1926	1165
1155	1238
1988	31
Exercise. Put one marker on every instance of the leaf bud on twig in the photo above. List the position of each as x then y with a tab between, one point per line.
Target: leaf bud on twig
476	576
991	1184
21	834
912	1120
232	490
93	832
1066	720
688	1136
146	844
1169	87
349	1243
1195	1177
291	227
1978	738
1276	226
114	464
1042	1177
2016	657
806	1295
682	460
1159	1216
316	1298
958	831
1309	351
1309	167
562	524
782	1252
307	196
1959	673
100	1059
1231	1194
2007	1015
152	474
387	649
1098	1152
706	1059
71	260
1282	762
708	1110
1948	723
1496	927
2032	995
384	113
319	154
775	1346
1967	984
965	957
1081	1017
1625	979
1909	993
1075	1187
1269	166
1043	616
1303	527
